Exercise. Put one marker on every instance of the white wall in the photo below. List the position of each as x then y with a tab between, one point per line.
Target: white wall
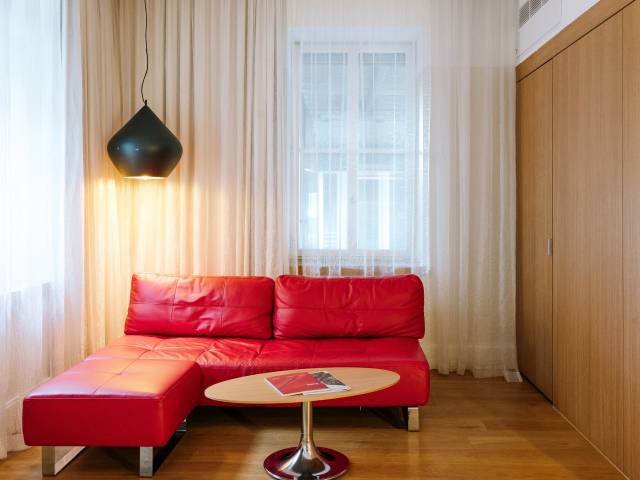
551	18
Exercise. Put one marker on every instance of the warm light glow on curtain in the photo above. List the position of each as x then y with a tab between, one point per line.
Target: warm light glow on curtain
212	81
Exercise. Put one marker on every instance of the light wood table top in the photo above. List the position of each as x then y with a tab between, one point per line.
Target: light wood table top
254	389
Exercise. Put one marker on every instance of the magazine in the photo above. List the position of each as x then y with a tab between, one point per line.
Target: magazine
306	383
296	384
330	381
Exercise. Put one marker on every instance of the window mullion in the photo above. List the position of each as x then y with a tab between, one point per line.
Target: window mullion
353	95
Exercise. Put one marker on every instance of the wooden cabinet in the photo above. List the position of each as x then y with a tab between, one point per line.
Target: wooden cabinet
595	203
534	168
587	226
631	238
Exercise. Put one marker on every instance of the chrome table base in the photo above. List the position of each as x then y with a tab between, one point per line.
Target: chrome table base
306	462
291	463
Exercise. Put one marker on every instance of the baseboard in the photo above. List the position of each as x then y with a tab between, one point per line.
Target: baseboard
591	443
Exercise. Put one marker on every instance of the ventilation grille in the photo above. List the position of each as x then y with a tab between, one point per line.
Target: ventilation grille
529	9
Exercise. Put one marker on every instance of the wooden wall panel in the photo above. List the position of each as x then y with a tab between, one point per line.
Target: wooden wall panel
587	226
534	159
631	228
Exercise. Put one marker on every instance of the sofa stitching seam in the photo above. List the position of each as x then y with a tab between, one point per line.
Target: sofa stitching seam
196	304
173	302
348	308
112	375
224	302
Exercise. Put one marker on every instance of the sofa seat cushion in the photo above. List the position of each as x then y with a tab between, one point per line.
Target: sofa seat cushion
402	355
226	358
200	306
112	401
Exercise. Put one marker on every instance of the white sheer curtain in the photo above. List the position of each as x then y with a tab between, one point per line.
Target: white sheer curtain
40	201
215	79
401	159
471	286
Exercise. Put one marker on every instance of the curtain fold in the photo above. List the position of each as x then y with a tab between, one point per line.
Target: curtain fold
215	80
41	182
471	285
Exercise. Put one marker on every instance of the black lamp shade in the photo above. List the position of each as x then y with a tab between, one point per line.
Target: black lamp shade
144	147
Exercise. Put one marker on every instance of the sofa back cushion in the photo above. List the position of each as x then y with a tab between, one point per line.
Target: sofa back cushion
200	306
348	307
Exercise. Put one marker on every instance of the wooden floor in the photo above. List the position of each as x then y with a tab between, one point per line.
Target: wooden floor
471	429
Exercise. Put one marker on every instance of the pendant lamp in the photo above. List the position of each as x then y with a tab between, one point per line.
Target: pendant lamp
144	148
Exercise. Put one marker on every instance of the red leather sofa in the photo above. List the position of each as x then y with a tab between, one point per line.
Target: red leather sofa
183	334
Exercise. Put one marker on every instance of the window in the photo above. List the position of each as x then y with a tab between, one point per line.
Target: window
357	147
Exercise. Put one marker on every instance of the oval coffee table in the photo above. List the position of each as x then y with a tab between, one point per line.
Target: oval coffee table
306	461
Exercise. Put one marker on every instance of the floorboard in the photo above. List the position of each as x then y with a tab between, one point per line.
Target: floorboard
471	429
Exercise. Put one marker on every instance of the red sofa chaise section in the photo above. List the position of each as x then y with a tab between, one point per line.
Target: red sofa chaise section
183	334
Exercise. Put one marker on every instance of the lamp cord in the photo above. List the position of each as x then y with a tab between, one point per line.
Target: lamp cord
146	51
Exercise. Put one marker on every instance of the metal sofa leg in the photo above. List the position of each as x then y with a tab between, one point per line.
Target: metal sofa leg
146	461
413	419
182	429
54	459
149	454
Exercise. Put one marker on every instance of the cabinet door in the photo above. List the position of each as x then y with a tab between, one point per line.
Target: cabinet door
631	195
534	325
587	227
